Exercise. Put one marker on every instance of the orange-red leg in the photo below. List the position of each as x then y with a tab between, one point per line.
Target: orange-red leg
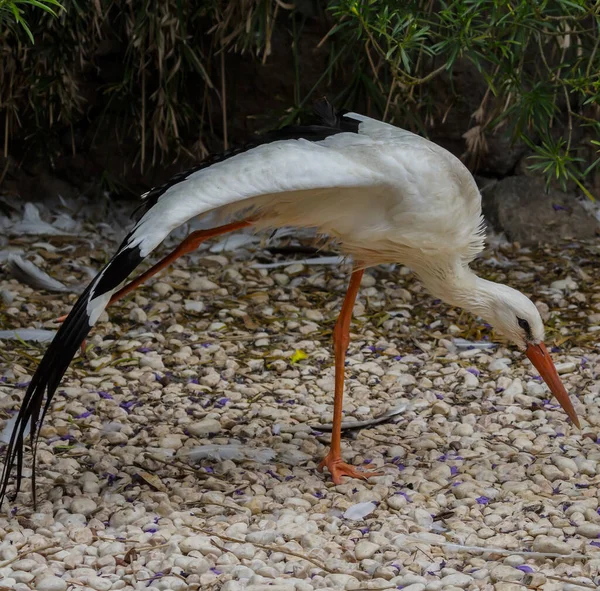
191	243
341	338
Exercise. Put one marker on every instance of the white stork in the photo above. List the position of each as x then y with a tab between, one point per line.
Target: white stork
382	193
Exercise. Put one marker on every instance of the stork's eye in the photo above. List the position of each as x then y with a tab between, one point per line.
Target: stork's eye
524	325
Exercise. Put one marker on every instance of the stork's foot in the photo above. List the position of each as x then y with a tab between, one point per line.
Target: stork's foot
338	468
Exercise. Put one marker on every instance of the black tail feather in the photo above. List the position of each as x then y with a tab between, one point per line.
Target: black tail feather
54	364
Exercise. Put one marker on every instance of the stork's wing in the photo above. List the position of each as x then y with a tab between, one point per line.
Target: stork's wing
297	163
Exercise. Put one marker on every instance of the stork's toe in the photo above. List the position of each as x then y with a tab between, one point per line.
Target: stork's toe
338	468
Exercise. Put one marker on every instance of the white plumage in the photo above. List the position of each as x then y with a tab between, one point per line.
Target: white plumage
382	193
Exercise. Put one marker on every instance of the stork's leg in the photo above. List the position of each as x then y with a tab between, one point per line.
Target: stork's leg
191	243
333	460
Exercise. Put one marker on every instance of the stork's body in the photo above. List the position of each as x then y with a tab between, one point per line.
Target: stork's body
382	193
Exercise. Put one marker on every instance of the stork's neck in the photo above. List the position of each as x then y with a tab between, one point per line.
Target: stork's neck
455	283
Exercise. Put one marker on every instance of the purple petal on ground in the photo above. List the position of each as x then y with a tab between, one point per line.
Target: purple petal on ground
482	500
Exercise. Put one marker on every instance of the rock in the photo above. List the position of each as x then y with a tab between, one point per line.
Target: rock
515	388
365	549
566	465
50	583
457	580
471	381
191	543
204	427
550	544
566	367
520	207
589	530
503	572
99	583
138	315
162	289
498	365
202	284
83	505
194	306
26	564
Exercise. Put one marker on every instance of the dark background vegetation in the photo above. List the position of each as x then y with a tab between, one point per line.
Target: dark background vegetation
116	95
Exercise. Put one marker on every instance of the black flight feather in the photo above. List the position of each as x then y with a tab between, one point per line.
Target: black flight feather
55	362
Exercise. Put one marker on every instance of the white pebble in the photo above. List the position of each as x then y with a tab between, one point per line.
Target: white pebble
162	289
566	367
99	583
589	530
83	505
51	583
138	315
457	580
192	543
550	544
204	427
202	284
365	549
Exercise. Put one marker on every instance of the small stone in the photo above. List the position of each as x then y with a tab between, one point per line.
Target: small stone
99	583
83	505
515	388
204	427
441	408
192	543
51	583
471	381
138	315
365	549
152	361
503	572
566	465
162	289
26	564
567	367
202	284
498	365
338	581
457	580
194	306
589	530
550	544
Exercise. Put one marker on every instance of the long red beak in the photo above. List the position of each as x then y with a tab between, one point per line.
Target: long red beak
539	356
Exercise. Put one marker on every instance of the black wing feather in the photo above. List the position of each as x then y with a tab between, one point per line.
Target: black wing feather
55	362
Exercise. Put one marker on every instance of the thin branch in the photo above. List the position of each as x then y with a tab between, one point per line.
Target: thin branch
224	101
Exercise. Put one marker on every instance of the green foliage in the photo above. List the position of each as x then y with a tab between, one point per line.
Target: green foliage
537	64
539	60
11	9
162	70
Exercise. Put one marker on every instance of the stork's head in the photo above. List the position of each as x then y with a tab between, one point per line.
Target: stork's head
515	316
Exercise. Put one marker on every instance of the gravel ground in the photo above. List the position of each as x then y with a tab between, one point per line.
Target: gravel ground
180	452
